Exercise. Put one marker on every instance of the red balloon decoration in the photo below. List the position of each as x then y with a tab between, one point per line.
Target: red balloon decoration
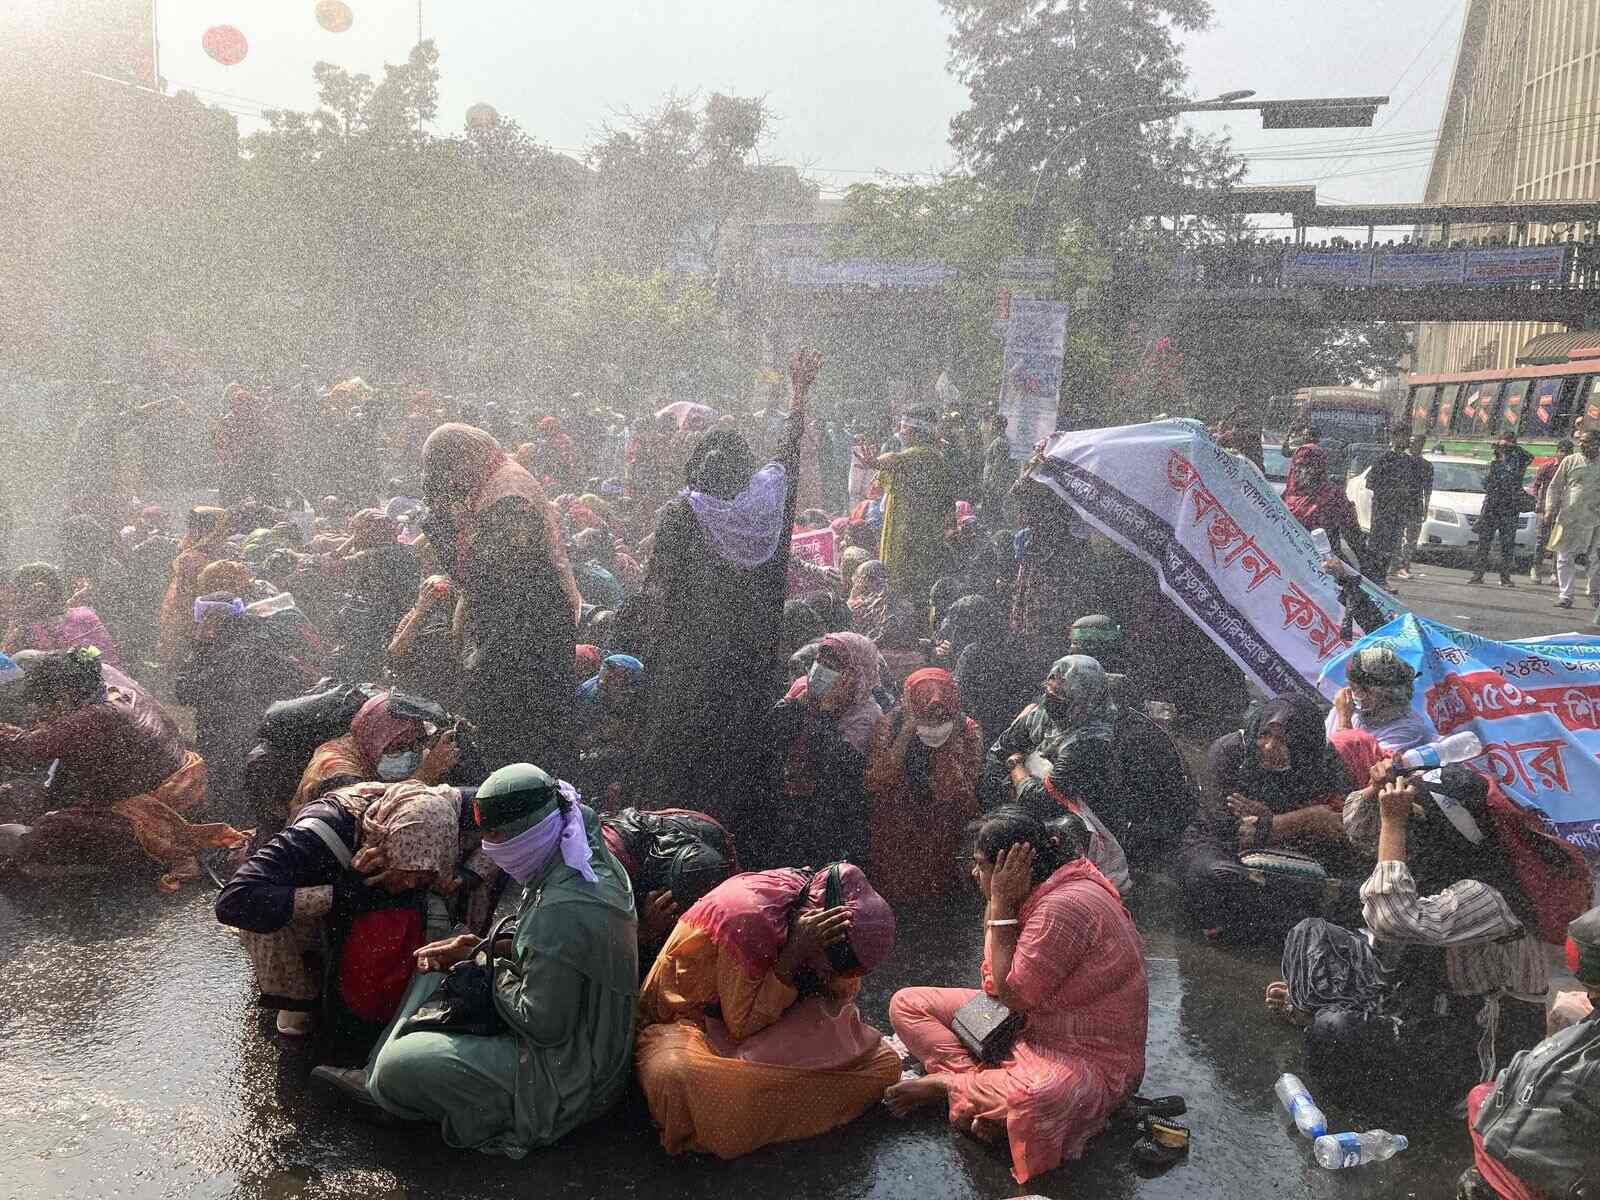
334	15
225	44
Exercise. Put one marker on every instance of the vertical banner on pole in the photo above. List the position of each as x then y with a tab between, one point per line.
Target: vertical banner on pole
1030	383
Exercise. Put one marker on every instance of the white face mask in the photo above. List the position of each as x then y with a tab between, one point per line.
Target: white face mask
934	736
820	680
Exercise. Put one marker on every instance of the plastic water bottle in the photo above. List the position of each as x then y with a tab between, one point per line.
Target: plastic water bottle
1337	1150
272	605
1458	747
1297	1102
1319	539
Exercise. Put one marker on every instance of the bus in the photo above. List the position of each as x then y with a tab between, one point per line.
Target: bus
1466	410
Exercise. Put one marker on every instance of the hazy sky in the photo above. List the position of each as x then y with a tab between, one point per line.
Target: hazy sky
859	86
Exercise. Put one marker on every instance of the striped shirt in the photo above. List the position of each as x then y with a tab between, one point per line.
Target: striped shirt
1487	950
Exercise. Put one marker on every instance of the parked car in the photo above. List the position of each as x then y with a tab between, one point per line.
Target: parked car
1452	521
1277	466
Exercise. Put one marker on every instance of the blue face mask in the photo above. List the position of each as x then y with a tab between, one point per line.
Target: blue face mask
398	765
820	680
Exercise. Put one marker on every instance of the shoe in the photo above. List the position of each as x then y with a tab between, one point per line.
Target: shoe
293	1024
1535	576
1477	577
1164	1142
1402	573
1567	603
1506	581
349	1082
1473	1186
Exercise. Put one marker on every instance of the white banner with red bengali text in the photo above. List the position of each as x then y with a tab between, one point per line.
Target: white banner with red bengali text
1226	550
1534	703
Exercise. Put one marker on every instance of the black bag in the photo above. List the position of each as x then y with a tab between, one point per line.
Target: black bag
464	1000
987	1028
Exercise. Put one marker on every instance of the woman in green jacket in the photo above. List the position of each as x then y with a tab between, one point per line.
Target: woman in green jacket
565	986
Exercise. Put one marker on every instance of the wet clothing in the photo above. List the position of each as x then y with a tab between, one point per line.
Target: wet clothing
75	627
566	992
996	678
729	1056
714	629
230	680
1078	972
921	799
1219	889
919	506
810	802
521	603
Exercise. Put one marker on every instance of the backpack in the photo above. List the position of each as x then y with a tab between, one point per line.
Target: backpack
1542	1121
1552	872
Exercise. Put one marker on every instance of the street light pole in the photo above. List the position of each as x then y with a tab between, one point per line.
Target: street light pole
1156	112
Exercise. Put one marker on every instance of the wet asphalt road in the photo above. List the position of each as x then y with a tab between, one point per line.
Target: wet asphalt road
133	1064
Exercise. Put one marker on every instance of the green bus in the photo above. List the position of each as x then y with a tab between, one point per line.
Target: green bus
1464	411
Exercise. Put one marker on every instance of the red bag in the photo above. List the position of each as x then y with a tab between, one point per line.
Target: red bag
375	962
1552	872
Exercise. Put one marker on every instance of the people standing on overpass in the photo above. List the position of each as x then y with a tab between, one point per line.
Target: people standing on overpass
1421	494
1502	507
1572	506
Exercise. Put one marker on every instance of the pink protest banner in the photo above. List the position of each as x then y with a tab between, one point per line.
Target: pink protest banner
814	547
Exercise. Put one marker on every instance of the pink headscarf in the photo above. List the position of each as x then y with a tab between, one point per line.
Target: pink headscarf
749	915
1360	752
860	711
375	731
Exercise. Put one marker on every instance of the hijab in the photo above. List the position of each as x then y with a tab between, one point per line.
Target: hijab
462	462
225	575
860	712
1320	506
1316	770
375	730
853	558
738	508
207	527
417	826
1082	707
749	916
1381	670
929	693
973	620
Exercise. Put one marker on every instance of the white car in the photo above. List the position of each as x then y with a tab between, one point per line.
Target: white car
1452	522
1277	466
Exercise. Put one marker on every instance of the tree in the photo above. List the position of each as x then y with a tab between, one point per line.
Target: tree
669	182
970	226
1035	72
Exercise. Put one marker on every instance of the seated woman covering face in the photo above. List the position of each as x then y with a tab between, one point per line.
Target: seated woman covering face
673	857
565	981
1276	784
749	1032
280	898
922	783
380	746
123	779
1399	1011
1378	701
1059	947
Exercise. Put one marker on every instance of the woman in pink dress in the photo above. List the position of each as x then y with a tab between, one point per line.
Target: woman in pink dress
1059	947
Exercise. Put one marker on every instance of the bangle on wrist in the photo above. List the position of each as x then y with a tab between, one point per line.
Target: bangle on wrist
1006	921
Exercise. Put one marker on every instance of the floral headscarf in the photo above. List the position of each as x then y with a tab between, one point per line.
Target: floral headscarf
375	730
417	826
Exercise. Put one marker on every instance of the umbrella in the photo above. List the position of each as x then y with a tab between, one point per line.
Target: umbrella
683	412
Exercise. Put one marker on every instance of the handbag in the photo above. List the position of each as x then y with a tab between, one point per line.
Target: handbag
464	1000
987	1028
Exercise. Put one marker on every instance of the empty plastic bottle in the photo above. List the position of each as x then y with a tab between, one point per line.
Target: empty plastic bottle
1297	1102
1319	539
1337	1150
1458	747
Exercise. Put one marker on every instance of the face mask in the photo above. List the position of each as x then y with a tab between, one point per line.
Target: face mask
820	681
401	764
934	736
